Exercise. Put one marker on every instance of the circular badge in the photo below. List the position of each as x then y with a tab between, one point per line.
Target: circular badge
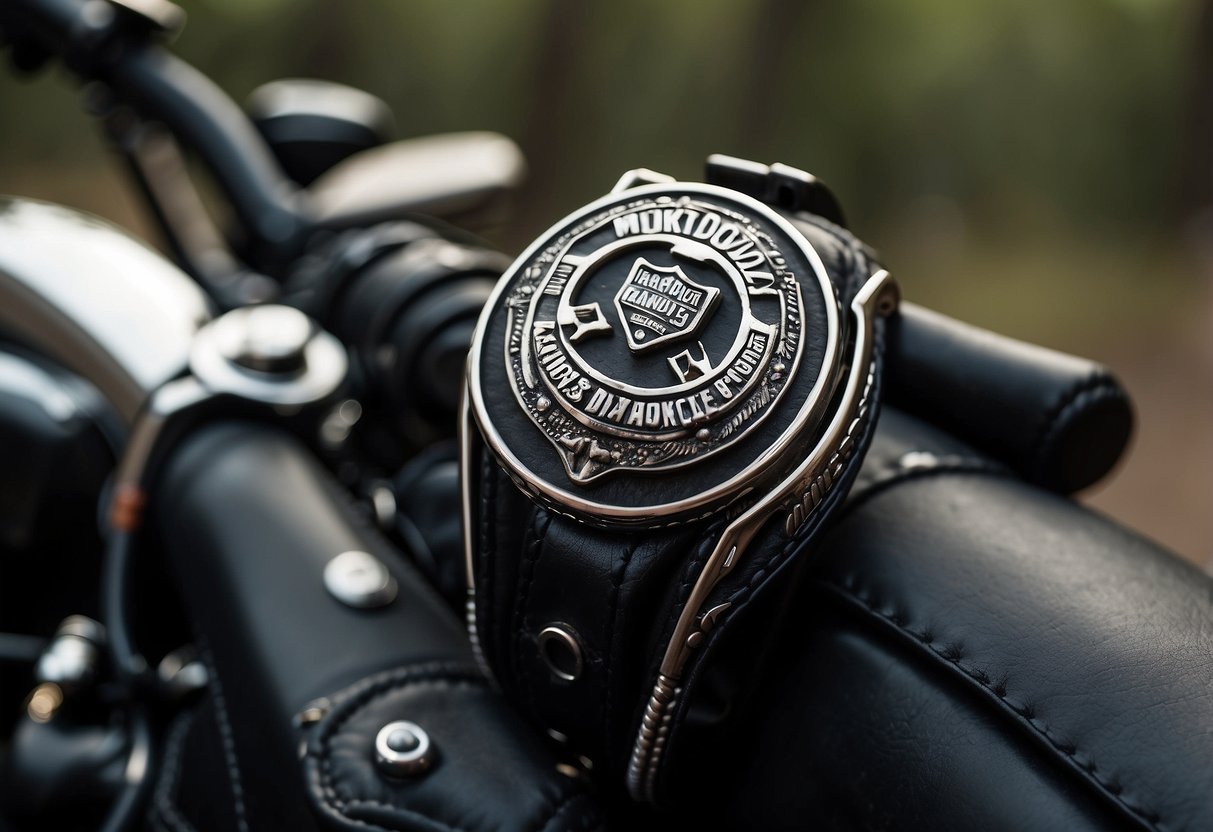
654	354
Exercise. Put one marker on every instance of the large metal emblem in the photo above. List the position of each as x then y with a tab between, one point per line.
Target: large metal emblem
655	354
705	332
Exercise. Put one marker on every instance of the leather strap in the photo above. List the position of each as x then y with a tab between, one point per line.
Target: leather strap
619	592
574	621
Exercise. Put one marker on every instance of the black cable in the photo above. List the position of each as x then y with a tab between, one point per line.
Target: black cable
115	576
136	782
130	668
20	649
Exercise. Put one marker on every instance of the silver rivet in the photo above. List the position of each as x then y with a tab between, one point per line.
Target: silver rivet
360	580
561	651
403	749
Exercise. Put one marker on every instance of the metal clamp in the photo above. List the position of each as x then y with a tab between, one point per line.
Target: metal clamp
780	185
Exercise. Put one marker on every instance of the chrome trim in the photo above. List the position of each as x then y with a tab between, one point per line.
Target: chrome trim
322	359
641	176
465	435
95	300
803	489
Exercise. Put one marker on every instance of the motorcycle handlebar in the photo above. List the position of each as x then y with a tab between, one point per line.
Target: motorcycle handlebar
269	207
250	522
111	43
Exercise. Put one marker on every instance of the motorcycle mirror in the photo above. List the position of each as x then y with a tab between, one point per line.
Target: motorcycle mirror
460	177
313	125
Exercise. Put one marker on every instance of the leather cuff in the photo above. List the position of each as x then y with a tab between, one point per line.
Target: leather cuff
668	394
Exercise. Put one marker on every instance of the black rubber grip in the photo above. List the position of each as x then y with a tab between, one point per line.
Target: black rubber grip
1058	421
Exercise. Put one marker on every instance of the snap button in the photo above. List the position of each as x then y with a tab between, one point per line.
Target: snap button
403	749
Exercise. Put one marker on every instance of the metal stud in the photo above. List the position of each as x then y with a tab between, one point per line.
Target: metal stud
360	580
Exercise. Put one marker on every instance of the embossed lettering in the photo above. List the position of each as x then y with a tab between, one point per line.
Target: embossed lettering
626	225
707	227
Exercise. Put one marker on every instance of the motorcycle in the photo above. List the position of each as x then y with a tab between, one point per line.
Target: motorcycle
654	559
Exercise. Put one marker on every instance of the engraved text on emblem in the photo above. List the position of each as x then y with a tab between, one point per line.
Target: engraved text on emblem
652	335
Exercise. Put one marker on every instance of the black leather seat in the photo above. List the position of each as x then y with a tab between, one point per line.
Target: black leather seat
969	652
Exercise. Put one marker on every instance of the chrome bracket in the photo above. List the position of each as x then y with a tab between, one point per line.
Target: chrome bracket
641	176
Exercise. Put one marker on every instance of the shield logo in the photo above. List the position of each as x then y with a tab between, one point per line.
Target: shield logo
658	304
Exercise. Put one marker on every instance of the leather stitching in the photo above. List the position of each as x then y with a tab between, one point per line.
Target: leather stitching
608	693
404	814
1098	384
488	622
809	529
541	521
558	808
704	548
226	736
377	686
953	465
952	653
512	640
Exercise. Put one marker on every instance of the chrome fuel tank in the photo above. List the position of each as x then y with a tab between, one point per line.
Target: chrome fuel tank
95	300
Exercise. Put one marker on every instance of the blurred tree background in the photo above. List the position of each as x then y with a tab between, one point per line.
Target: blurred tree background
1038	167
